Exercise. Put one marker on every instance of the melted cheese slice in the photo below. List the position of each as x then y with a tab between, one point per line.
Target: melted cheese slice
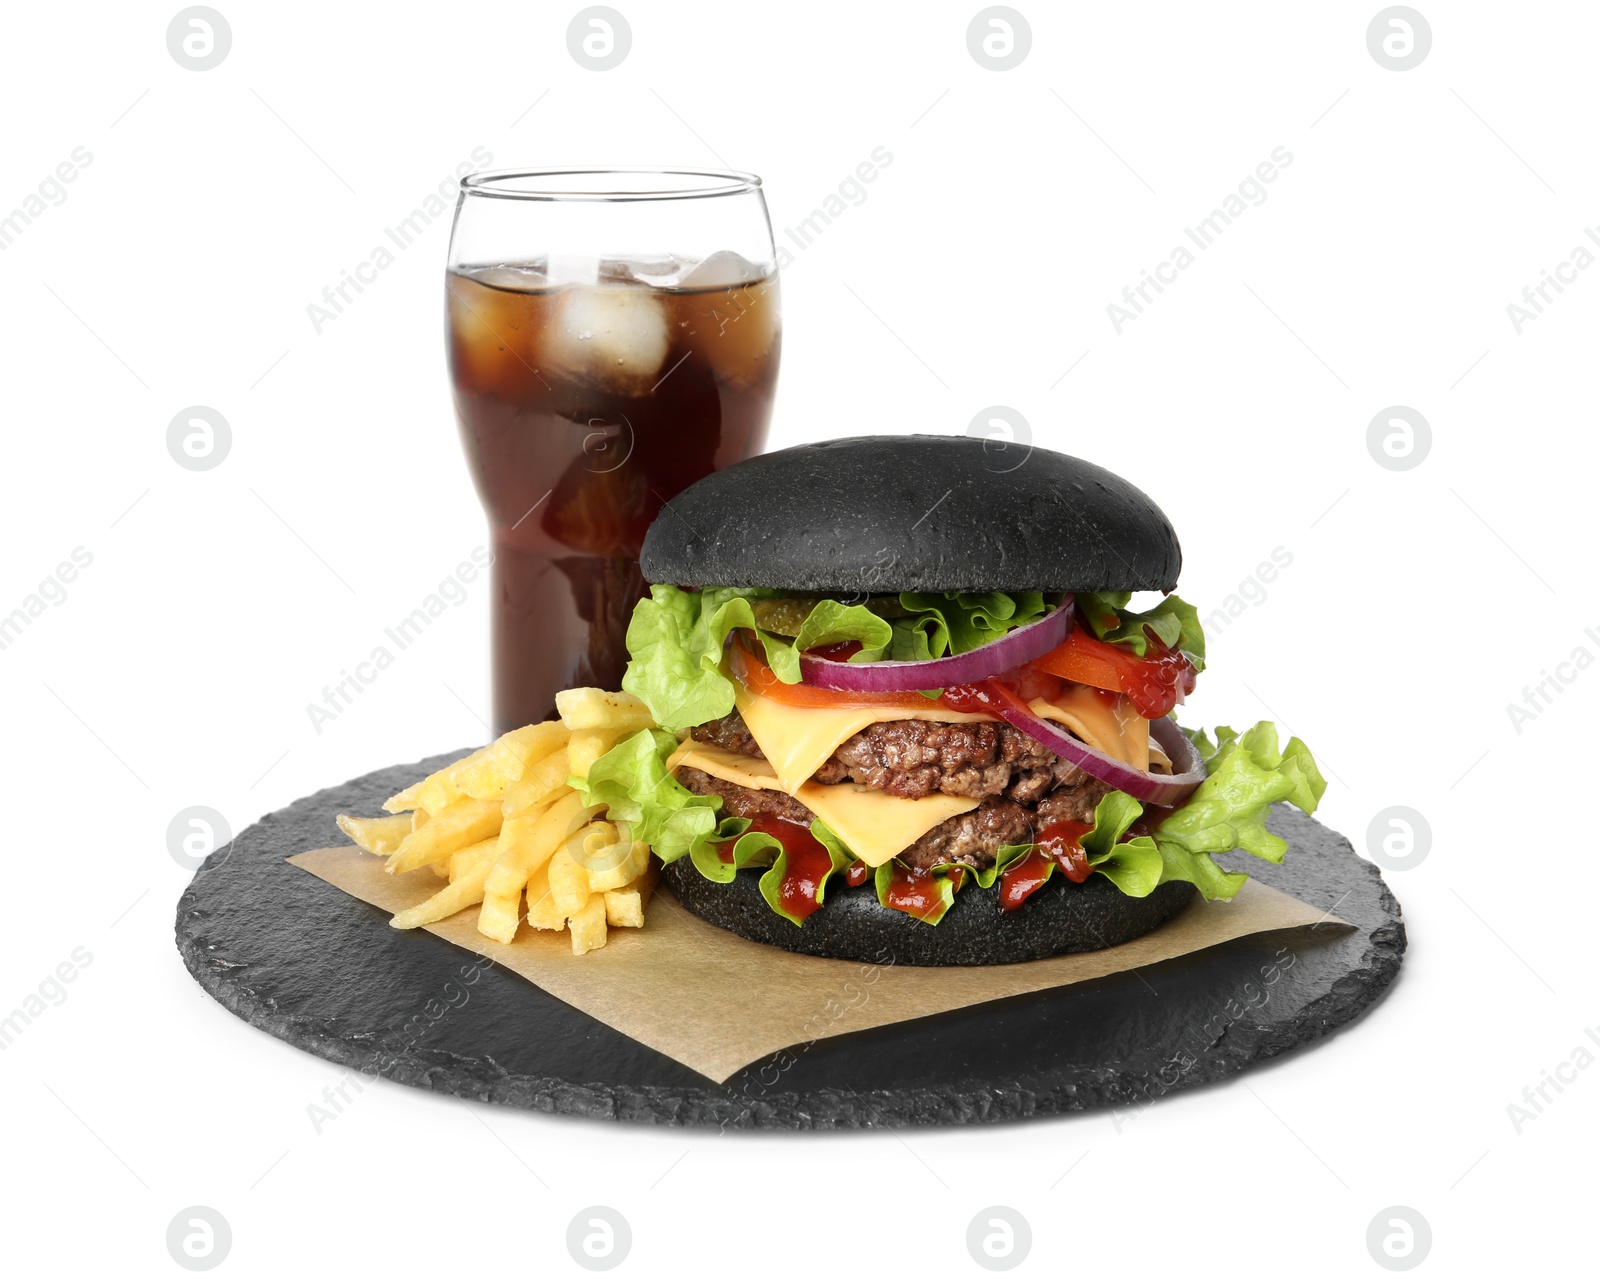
800	739
741	770
1110	725
873	824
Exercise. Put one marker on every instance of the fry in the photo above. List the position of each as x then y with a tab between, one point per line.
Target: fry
498	916
542	912
533	839
582	708
486	773
625	906
512	755
380	835
586	746
538	785
437	791
418	818
616	864
464	822
464	860
405	801
569	883
462	891
589	926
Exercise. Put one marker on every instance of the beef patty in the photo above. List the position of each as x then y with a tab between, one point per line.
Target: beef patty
1022	786
911	758
971	838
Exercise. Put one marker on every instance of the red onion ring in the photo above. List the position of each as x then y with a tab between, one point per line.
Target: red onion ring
1009	651
1149	788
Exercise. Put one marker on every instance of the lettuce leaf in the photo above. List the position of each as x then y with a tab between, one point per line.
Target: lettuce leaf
952	622
1245	775
1135	870
750	848
675	640
632	781
837	855
1174	621
831	622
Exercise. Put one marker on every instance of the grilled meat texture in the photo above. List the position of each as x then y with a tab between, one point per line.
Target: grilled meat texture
741	801
911	758
1022	786
971	838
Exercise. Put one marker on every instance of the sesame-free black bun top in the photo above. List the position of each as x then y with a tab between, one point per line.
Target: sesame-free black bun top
890	513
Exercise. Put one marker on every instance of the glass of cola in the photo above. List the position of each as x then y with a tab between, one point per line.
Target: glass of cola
613	337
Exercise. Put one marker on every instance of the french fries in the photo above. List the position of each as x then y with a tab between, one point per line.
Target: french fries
502	824
542	912
625	906
468	869
588	745
539	784
588	926
569	884
381	835
453	827
582	708
616	864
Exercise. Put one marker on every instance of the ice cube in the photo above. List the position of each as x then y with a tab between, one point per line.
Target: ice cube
734	323
722	270
612	339
573	268
657	272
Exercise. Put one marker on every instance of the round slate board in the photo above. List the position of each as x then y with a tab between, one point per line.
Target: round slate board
321	970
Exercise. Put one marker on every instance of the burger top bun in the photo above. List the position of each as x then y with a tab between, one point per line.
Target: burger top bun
881	514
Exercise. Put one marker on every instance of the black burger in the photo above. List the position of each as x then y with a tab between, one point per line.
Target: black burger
906	713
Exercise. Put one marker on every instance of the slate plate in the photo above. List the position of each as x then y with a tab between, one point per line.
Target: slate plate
303	961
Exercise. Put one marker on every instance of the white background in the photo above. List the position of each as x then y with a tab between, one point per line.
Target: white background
1018	205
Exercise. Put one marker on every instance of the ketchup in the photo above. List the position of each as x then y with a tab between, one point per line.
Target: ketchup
987	695
1156	682
1022	879
806	863
857	873
1057	848
913	890
1059	842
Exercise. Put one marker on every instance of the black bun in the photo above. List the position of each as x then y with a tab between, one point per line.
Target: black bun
887	513
1061	918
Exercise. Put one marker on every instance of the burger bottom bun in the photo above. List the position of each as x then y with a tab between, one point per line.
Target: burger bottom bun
1060	918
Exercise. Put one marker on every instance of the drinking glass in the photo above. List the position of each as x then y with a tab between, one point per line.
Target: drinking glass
613	337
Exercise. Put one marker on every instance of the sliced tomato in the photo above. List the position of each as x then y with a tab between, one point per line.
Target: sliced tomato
757	676
1153	683
1085	660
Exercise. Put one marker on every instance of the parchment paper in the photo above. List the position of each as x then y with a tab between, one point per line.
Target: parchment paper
717	1003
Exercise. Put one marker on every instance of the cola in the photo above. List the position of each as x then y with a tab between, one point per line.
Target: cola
588	396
